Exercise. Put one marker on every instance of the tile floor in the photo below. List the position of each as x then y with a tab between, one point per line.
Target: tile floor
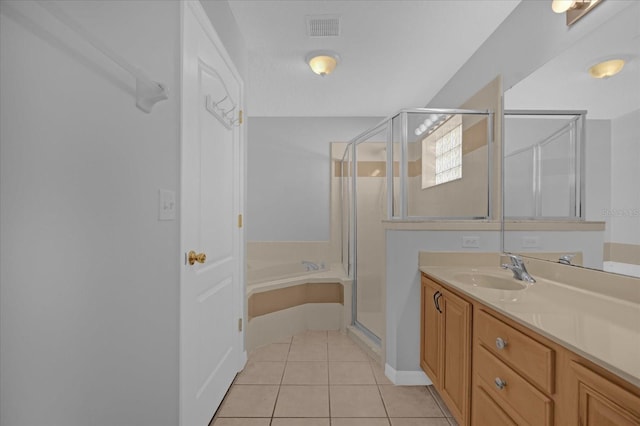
321	378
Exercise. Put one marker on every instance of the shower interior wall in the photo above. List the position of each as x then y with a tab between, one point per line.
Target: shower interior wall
289	213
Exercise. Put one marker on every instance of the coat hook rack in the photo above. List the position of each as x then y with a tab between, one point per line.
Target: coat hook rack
224	116
148	92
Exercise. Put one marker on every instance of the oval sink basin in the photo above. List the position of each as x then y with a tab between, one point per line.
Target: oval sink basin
489	281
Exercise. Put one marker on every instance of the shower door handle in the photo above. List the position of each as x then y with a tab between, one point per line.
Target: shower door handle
436	296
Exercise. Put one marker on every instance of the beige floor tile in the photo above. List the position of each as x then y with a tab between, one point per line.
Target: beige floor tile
378	373
336	337
347	353
302	401
409	401
249	401
272	352
306	373
356	401
261	373
359	422
304	351
311	336
241	422
351	373
452	421
439	401
286	339
420	422
300	422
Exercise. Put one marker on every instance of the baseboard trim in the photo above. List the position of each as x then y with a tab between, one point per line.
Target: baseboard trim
406	378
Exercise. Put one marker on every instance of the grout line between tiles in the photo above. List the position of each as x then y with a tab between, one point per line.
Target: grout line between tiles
275	404
383	403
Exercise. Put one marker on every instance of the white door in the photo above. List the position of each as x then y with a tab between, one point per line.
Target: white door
211	344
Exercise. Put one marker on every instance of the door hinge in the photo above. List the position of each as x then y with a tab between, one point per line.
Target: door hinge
240	117
239	221
239	324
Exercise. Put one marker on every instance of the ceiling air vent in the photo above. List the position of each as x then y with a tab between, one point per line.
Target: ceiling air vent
323	25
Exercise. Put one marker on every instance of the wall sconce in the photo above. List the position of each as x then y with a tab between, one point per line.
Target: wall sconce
575	9
322	62
606	69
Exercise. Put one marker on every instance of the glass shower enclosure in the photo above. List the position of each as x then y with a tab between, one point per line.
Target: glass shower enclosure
543	163
417	165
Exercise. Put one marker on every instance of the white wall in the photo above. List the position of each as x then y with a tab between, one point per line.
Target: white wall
598	171
625	176
530	36
224	22
403	289
288	175
89	276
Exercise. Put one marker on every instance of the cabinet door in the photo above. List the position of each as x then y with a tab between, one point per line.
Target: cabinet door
456	352
603	403
430	360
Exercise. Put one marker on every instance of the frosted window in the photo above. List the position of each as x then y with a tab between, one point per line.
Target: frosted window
449	156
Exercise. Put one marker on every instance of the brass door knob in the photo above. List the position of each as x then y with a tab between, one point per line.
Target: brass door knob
193	257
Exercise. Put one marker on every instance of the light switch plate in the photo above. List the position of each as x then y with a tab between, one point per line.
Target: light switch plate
166	205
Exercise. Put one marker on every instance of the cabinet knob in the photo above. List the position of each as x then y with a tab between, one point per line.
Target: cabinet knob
501	343
500	384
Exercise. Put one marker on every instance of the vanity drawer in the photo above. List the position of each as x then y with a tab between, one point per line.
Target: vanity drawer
487	412
512	392
532	359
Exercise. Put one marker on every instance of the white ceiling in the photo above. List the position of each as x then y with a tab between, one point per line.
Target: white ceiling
564	82
394	54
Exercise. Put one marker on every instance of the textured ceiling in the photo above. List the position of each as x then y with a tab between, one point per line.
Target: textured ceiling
394	54
564	82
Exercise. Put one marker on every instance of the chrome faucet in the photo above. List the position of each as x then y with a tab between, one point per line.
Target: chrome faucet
519	270
566	259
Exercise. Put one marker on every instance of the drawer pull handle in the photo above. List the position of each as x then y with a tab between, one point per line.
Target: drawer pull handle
501	343
500	384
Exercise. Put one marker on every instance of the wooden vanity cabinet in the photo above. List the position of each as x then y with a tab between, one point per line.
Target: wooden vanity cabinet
503	373
445	347
513	370
601	402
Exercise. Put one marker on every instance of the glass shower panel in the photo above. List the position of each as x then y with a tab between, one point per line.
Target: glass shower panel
393	180
542	164
556	175
447	169
518	184
346	219
371	210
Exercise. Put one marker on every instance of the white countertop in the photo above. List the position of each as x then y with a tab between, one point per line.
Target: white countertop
601	328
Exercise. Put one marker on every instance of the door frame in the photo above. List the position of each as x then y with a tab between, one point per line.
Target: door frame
239	191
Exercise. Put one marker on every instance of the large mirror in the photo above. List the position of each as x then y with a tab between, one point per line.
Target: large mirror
572	155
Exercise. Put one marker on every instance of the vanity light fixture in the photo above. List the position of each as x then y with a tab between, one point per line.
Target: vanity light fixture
575	9
322	62
606	69
431	123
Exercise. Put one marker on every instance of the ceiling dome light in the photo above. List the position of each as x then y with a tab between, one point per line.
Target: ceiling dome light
561	6
322	62
606	69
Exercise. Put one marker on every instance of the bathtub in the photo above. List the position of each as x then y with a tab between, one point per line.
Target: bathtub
258	273
284	299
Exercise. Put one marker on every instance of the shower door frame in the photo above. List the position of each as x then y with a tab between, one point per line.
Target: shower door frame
577	186
384	126
403	196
